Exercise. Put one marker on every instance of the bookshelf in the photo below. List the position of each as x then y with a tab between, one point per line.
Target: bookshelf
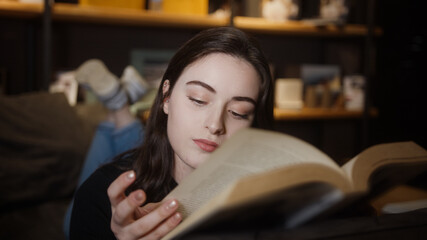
128	28
108	15
134	17
264	26
74	12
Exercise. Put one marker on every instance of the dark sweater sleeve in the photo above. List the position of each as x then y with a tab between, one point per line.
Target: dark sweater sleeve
91	214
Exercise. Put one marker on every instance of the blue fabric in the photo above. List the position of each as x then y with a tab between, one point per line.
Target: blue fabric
107	143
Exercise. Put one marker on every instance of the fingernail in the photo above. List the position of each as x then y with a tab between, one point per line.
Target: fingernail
171	205
131	175
177	216
138	196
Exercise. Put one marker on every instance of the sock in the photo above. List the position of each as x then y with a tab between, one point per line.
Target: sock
94	75
134	84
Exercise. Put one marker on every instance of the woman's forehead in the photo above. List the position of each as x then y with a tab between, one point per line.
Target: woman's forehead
223	72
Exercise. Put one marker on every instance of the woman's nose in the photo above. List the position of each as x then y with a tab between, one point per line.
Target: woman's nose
215	123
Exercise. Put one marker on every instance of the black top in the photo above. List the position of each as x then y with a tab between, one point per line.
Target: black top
91	214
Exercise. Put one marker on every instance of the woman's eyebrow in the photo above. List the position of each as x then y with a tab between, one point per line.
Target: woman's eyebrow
202	84
245	99
211	89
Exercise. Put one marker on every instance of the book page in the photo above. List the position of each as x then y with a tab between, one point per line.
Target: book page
248	152
400	154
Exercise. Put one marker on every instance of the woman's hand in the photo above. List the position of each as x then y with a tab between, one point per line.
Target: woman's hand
130	221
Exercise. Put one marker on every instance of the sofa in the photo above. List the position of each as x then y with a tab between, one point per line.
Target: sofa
43	143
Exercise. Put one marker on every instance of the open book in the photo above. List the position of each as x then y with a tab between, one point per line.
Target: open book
258	172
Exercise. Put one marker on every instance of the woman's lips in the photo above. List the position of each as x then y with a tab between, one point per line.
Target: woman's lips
206	145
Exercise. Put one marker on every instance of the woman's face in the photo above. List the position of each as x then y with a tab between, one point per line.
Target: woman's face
213	98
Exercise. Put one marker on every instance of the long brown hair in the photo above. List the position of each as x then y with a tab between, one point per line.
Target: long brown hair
154	163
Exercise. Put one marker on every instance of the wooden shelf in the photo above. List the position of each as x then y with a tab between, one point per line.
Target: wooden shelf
306	114
318	114
21	10
262	25
108	15
74	12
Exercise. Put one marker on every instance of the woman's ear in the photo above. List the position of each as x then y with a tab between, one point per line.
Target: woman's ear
165	90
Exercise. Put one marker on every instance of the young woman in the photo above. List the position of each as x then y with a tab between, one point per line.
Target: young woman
216	84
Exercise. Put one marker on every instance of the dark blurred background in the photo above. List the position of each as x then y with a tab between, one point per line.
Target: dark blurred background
397	85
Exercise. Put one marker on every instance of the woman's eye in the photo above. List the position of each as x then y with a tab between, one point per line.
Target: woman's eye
197	101
238	115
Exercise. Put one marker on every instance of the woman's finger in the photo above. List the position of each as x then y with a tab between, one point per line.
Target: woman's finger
156	218
116	190
125	210
165	227
147	208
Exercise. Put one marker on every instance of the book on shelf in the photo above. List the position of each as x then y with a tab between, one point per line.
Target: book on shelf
274	178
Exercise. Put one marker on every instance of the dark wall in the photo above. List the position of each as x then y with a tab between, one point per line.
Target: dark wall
18	46
75	43
401	90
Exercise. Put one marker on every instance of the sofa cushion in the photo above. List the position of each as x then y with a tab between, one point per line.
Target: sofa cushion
43	143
